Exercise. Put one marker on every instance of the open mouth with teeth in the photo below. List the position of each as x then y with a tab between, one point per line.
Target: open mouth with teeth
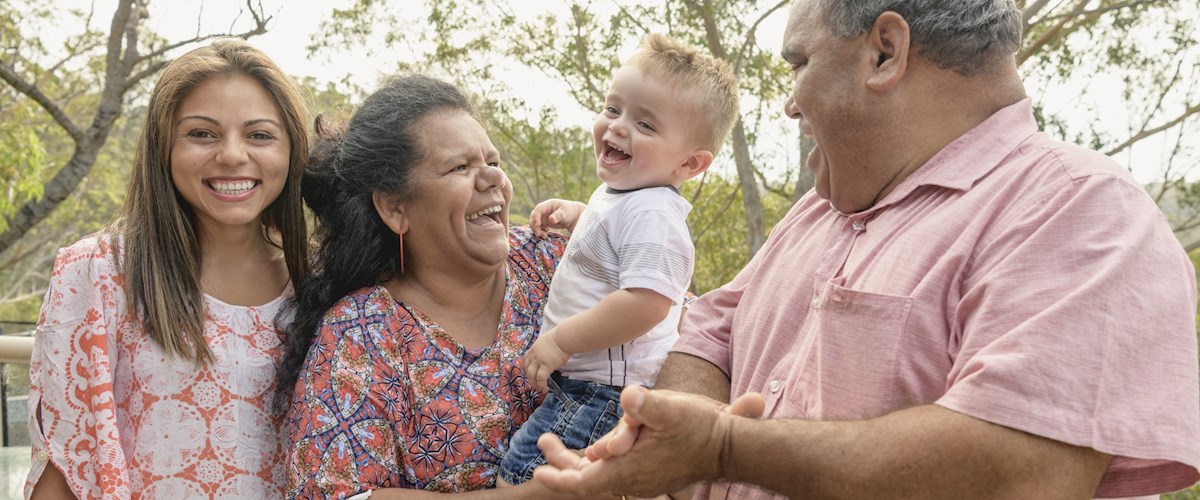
613	154
489	214
232	188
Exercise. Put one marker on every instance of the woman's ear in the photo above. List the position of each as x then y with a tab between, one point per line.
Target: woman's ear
889	43
391	210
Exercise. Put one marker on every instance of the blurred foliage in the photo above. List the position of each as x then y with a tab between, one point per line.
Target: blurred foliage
1192	493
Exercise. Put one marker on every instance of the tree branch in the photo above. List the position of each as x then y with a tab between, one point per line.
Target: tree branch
144	73
1050	34
1031	11
1158	103
584	66
1191	110
260	27
750	36
64	121
1099	11
696	235
73	51
629	16
712	34
778	191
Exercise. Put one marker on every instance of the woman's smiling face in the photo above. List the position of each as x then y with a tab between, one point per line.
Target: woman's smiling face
230	153
458	213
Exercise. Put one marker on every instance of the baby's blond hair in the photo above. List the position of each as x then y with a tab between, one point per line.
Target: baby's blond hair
705	82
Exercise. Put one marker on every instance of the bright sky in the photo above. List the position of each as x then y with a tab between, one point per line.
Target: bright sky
294	24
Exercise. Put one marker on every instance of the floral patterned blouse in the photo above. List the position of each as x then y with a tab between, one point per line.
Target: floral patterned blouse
121	419
386	399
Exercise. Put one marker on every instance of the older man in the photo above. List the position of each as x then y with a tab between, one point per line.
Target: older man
963	307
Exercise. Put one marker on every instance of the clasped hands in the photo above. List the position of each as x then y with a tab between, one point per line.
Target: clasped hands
665	442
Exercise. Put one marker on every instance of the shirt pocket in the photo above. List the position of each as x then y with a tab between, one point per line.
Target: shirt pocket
852	358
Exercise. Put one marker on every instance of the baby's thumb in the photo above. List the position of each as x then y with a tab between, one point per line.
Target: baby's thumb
555	218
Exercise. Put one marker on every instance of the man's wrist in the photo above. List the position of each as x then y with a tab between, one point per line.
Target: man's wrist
726	452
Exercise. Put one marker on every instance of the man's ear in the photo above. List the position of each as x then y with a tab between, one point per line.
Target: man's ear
694	165
889	44
391	210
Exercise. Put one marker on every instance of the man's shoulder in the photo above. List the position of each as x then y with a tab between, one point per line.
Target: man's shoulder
1071	161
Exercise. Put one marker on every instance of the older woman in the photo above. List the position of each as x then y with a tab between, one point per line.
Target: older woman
154	364
407	337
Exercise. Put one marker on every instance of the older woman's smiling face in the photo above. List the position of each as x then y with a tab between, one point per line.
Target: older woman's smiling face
458	214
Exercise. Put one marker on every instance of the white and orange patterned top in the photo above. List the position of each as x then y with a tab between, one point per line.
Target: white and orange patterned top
123	420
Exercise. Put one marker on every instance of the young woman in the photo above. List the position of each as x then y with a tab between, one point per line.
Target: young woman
155	359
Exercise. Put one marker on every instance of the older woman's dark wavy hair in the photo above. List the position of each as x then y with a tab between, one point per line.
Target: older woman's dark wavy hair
376	151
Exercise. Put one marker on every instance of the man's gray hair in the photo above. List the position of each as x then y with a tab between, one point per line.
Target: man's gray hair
961	35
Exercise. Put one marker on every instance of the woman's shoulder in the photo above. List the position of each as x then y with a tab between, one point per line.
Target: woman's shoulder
96	253
93	246
365	303
523	242
86	282
532	257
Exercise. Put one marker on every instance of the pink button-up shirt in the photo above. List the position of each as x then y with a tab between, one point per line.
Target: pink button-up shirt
1014	278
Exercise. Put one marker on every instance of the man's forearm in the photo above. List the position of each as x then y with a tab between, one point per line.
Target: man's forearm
924	452
687	373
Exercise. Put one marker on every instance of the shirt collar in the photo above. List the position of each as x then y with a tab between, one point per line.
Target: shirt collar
970	157
612	190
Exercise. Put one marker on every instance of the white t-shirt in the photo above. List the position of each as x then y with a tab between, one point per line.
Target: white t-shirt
624	239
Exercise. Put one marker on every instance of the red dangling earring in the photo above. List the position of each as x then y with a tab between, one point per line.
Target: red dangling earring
401	235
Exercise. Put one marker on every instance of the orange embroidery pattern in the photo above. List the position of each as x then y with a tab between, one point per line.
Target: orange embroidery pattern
123	420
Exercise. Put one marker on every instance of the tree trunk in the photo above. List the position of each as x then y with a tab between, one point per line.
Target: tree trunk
804	176
755	235
57	190
121	59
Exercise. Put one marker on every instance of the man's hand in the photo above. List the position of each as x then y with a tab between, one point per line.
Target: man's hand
666	441
621	438
543	358
555	214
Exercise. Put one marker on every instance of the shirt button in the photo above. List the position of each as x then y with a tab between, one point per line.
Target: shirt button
774	386
816	302
858	226
42	456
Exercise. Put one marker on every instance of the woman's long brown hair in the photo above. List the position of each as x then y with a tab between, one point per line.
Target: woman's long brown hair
161	252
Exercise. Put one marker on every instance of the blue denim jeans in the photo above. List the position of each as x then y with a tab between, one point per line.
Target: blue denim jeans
579	412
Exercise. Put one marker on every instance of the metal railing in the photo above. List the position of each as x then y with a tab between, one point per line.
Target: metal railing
16	348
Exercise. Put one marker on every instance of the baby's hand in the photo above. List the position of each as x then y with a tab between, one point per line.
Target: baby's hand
542	358
555	214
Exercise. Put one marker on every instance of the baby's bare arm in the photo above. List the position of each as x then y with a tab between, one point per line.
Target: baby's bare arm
620	317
